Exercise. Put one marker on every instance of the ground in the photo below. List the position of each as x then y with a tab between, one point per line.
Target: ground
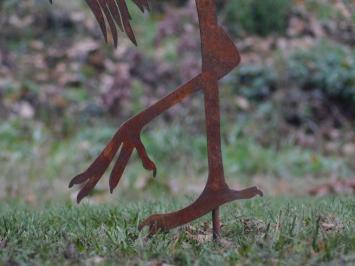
263	231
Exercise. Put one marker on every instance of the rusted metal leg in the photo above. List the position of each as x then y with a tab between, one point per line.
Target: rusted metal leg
173	98
216	179
216	192
216	174
216	224
128	137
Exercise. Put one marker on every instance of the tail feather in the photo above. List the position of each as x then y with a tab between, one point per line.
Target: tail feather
115	12
110	20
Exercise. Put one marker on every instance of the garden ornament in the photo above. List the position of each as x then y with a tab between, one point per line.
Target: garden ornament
219	57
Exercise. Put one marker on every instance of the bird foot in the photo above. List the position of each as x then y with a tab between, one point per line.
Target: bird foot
207	201
127	137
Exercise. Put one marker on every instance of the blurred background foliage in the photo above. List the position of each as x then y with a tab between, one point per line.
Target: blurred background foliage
287	112
253	16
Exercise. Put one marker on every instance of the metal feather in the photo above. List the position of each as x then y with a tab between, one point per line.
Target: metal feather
113	15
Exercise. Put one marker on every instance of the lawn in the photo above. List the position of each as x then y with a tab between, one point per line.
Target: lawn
287	125
263	231
41	225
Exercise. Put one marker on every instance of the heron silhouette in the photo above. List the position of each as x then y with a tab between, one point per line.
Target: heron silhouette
219	57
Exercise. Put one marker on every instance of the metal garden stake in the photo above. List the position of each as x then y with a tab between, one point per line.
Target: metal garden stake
219	57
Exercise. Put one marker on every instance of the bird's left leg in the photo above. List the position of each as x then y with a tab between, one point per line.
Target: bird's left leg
128	137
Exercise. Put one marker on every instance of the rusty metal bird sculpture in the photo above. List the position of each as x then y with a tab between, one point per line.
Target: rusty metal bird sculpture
219	57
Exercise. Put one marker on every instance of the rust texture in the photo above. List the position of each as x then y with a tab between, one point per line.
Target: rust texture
219	57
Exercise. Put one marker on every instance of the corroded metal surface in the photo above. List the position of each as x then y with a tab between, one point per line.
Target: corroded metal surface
219	57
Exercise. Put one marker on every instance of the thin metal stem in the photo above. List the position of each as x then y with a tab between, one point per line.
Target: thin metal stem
216	224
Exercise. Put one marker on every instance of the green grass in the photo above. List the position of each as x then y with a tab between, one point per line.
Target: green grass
277	231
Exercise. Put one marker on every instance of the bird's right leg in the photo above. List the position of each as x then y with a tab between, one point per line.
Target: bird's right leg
216	192
128	137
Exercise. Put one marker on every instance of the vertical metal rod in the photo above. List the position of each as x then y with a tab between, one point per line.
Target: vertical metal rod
216	224
215	179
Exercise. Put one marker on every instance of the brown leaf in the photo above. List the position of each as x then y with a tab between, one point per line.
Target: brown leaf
328	226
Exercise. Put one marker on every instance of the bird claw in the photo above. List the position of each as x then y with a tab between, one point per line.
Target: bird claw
259	192
127	137
155	224
255	191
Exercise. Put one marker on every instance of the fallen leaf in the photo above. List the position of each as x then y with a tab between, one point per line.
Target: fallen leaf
327	226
